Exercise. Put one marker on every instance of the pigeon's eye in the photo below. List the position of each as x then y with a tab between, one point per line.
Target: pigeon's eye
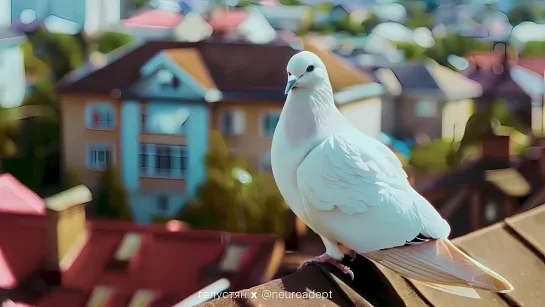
310	68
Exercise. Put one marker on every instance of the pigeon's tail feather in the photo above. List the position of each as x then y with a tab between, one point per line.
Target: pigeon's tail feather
441	265
456	290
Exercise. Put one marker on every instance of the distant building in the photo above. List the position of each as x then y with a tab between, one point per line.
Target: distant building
71	16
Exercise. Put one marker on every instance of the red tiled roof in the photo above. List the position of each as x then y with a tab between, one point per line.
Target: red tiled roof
16	198
228	20
154	18
174	263
22	246
487	59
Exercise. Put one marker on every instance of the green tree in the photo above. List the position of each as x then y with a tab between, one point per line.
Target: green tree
347	25
34	67
455	44
223	202
418	17
110	41
483	123
290	2
112	200
10	122
534	48
412	50
526	12
431	157
370	23
63	52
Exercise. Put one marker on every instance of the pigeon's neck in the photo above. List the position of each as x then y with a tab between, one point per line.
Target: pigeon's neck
309	113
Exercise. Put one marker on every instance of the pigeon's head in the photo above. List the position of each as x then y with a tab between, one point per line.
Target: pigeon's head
305	70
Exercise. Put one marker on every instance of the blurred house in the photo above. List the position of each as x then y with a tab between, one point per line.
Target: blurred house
518	81
230	23
12	68
426	98
51	256
59	15
287	17
514	248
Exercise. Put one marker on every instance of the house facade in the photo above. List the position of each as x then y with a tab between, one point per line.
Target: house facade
12	68
150	110
426	98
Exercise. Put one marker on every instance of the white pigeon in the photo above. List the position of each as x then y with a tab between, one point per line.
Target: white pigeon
352	190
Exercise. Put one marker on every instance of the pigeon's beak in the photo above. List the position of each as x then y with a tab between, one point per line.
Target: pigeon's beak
291	82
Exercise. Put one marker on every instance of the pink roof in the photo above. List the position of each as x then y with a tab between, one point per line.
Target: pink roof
17	198
227	20
154	18
173	262
22	246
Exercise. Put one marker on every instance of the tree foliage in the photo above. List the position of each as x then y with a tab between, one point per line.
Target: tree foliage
112	200
110	41
224	203
455	44
534	48
431	157
482	123
63	52
32	139
370	23
526	12
418	17
34	66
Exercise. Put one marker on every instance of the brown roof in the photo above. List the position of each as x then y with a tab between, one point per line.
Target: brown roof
234	66
515	248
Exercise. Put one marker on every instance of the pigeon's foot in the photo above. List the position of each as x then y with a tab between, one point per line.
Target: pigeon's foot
352	255
325	258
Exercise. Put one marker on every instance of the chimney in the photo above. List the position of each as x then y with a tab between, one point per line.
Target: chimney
65	229
496	147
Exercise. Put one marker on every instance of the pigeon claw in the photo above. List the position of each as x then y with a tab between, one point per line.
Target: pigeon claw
325	258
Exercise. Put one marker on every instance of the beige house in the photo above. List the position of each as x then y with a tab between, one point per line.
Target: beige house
426	98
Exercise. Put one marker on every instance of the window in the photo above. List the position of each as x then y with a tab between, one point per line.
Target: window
162	203
166	161
270	120
232	122
98	156
167	79
165	121
425	108
100	116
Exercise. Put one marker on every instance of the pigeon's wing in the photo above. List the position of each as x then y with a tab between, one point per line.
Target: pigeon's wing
354	172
